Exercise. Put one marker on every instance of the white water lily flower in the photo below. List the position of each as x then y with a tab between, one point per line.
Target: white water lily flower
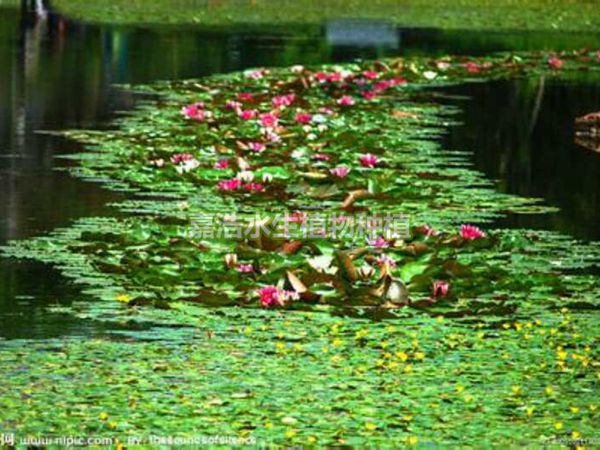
430	75
319	118
187	166
298	154
245	175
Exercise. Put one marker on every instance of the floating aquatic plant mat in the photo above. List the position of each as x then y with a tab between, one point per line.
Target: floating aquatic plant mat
307	249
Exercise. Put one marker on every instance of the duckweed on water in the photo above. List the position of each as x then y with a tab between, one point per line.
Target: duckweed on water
489	334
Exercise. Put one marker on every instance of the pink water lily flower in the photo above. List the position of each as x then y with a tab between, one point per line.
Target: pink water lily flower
257	146
378	242
321	77
472	67
385	260
271	296
345	100
181	158
256	74
283	100
340	172
245	268
303	117
326	111
222	164
335	77
245	97
398	81
368	160
382	85
370	74
248	114
369	95
555	63
229	185
321	157
269	120
471	232
428	231
440	289
254	187
232	104
271	136
195	112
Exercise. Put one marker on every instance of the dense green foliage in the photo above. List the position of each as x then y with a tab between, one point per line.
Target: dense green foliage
473	14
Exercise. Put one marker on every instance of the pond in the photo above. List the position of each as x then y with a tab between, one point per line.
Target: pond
61	74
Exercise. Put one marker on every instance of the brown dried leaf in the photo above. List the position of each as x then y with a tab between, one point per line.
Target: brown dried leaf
296	283
353	196
346	266
415	249
404	114
291	247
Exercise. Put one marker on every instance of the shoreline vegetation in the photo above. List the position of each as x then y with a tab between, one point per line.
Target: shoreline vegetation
507	15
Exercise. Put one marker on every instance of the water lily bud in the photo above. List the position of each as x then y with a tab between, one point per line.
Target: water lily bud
231	260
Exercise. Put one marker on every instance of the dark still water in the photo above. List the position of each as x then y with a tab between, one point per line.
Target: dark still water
59	74
521	132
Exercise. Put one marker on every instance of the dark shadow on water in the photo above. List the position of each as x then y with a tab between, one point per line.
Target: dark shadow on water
522	134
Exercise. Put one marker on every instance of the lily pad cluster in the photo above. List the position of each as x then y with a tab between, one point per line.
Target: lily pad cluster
298	142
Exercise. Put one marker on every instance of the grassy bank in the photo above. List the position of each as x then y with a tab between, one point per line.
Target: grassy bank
565	15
